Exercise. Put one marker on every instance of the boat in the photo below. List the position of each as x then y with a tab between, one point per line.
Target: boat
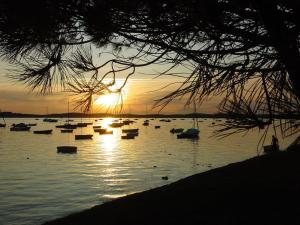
83	136
128	136
3	124
67	126
66	131
135	130
268	149
128	122
176	130
104	131
67	149
31	124
157	127
146	123
20	127
165	120
116	124
82	124
96	127
50	120
42	132
191	133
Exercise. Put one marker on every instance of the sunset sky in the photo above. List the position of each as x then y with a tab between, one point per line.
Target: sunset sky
139	96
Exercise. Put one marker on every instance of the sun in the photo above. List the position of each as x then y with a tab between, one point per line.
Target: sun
108	100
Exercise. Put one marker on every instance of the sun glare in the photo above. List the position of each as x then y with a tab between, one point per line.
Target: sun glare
109	100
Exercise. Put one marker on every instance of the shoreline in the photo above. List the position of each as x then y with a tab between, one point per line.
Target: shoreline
260	190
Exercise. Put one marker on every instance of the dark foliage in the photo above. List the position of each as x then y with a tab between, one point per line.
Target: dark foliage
246	51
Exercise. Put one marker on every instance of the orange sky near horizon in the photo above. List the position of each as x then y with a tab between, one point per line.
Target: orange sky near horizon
139	97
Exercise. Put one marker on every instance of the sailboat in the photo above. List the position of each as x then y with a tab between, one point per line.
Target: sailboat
83	136
69	149
3	124
191	133
49	120
146	122
68	128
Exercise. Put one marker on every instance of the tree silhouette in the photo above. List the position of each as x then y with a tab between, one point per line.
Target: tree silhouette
246	51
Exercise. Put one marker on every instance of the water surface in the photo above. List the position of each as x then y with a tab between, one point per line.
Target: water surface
37	184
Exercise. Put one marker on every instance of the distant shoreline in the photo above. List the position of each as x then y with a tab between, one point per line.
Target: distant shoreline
104	115
261	190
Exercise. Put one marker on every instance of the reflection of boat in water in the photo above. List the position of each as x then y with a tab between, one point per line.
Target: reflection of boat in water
83	136
191	133
135	130
42	132
176	130
20	127
66	149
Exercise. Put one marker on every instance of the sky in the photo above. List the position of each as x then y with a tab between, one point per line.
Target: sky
139	97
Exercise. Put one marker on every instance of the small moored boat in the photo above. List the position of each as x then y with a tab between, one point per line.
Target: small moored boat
20	127
116	125
191	133
31	124
67	149
66	131
127	136
146	123
135	130
176	130
83	136
42	132
104	131
50	120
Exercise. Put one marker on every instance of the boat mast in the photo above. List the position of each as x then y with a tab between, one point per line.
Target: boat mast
2	116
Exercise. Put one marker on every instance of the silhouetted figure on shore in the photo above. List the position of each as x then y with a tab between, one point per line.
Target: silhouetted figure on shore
275	145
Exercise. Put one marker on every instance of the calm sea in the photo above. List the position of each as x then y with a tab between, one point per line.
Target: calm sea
37	184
